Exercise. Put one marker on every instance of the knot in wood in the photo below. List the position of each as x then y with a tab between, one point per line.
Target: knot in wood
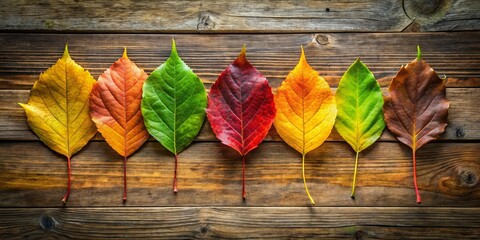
426	12
205	22
204	229
321	39
47	223
359	234
468	178
459	133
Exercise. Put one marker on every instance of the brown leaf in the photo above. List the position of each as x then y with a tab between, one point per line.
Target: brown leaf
415	107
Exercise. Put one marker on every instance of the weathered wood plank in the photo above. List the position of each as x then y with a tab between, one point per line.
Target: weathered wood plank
456	55
464	122
241	223
210	175
239	16
193	16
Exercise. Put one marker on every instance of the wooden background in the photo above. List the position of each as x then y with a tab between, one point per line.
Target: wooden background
209	35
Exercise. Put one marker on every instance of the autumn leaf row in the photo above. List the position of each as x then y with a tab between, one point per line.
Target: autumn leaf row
67	106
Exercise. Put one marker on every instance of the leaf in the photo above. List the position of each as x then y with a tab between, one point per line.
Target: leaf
360	115
241	108
115	108
306	110
416	108
57	109
173	105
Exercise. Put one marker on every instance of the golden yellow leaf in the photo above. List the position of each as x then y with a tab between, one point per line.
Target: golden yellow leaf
58	109
306	110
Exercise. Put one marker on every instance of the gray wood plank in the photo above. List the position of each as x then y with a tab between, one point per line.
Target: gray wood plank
239	16
201	15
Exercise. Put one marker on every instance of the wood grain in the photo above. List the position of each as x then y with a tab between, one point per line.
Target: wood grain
456	55
464	123
239	16
209	203
209	174
241	223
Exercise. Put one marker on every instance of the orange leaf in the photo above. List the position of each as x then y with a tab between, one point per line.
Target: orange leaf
306	110
115	108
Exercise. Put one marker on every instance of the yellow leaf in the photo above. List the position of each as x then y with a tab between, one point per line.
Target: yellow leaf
58	109
306	110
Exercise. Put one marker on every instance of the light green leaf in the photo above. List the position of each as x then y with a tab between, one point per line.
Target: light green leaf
173	104
360	115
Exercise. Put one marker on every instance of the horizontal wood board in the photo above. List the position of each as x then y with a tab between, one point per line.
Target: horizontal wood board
456	56
241	223
239	16
209	174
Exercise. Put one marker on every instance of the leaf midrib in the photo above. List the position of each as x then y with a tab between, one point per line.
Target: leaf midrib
175	107
303	116
241	117
125	112
357	120
67	109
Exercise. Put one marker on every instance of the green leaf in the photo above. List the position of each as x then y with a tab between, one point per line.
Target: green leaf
360	115
173	104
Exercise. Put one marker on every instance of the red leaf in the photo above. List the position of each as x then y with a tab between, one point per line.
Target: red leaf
240	107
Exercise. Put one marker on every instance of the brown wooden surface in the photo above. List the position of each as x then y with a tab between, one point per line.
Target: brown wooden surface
240	16
247	223
210	175
24	56
209	203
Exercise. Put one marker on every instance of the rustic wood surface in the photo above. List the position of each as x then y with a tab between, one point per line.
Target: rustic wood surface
251	223
240	16
24	56
209	174
209	36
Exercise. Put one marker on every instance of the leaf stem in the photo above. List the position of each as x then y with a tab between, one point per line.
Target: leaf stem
305	181
175	175
419	199
354	177
244	192
124	178
419	53
65	198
